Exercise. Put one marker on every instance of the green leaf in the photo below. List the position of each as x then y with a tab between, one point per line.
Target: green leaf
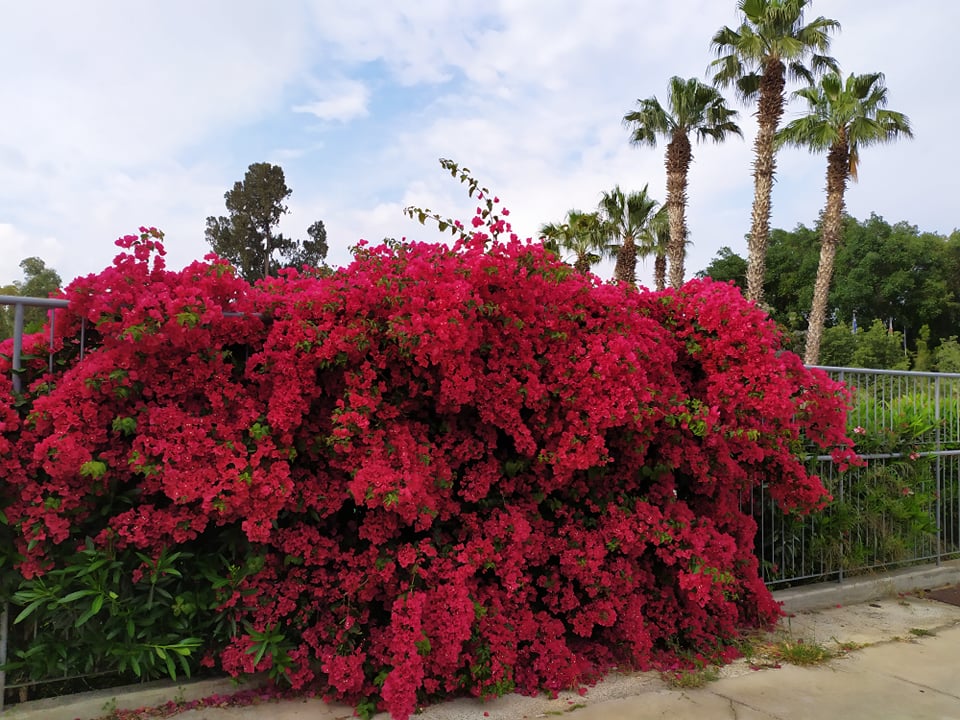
171	668
76	595
125	425
28	610
93	469
86	616
261	651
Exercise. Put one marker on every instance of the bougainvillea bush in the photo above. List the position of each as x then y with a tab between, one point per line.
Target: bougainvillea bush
441	470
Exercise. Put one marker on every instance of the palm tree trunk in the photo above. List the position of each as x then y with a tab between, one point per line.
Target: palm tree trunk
838	167
582	264
818	311
769	112
625	270
678	160
660	272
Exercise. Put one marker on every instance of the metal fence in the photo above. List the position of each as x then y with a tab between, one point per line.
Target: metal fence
901	508
19	307
79	344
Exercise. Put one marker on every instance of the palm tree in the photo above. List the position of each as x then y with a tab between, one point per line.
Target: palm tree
843	117
626	217
658	239
583	234
771	41
692	107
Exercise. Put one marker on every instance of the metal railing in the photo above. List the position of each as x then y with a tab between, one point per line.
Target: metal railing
19	304
901	508
17	362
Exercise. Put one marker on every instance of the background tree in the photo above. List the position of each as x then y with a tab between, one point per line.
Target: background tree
727	266
771	42
582	234
895	271
923	357
38	281
247	235
692	107
791	270
947	356
886	271
874	347
311	252
627	217
879	347
838	345
842	118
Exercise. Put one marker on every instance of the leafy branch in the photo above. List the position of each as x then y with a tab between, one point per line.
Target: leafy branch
486	214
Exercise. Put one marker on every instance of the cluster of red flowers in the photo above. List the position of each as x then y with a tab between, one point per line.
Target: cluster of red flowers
467	469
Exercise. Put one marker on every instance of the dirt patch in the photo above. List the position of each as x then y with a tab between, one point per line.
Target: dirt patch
949	595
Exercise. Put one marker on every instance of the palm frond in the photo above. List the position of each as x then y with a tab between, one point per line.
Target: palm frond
772	30
848	111
648	122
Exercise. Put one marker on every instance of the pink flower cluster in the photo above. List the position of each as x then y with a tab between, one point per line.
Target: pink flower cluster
468	469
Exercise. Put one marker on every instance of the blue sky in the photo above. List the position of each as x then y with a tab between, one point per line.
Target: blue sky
117	115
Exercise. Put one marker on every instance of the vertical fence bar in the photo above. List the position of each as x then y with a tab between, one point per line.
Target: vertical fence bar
842	377
881	399
4	616
938	472
53	321
17	343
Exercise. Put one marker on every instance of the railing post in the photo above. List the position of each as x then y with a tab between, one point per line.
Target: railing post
17	343
4	615
840	482
52	315
938	463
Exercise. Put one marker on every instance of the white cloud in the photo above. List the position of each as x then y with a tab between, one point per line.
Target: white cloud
343	101
101	82
16	245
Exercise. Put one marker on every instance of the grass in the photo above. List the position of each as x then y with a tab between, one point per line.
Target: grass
794	652
849	646
687	679
922	632
802	653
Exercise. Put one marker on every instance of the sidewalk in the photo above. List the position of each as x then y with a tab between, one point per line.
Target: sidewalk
895	658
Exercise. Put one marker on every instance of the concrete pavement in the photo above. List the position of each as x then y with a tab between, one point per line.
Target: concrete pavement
896	657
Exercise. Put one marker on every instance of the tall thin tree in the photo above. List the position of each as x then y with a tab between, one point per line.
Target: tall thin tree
771	43
843	117
626	216
693	107
658	238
